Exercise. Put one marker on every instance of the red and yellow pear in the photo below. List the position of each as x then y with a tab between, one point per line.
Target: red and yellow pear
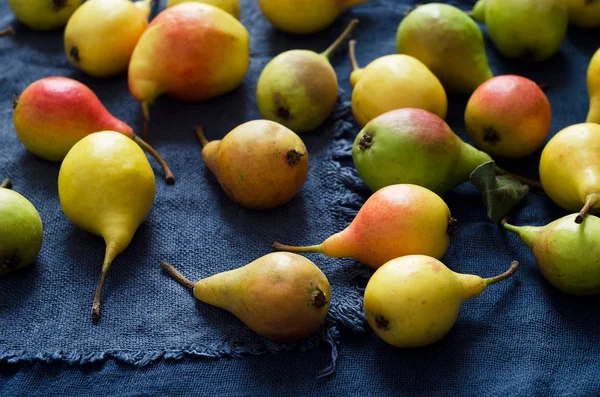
395	221
54	113
192	52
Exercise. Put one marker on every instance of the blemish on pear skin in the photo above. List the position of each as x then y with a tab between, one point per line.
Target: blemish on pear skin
74	53
10	263
282	111
58	5
365	142
382	323
589	2
423	302
490	136
319	299
452	226
294	157
15	101
436	267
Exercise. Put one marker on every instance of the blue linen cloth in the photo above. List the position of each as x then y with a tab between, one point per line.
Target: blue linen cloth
519	337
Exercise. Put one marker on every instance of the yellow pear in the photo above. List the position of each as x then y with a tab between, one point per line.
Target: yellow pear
593	83
101	35
304	16
44	14
570	169
414	300
230	6
584	13
106	187
280	296
394	82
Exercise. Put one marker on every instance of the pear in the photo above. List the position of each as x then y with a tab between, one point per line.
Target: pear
304	16
44	14
192	52
593	83
448	42
414	300
54	113
21	230
567	254
280	296
394	82
508	116
230	6
395	221
259	164
101	35
528	29
299	88
570	170
413	146
584	13
106	187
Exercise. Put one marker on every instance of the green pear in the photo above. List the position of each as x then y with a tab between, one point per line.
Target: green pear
448	42
299	88
413	146
21	230
528	29
568	254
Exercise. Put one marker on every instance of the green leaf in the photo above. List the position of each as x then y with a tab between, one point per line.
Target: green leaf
500	193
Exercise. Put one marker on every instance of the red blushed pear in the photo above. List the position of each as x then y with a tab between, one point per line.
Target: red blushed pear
395	221
55	113
508	116
192	52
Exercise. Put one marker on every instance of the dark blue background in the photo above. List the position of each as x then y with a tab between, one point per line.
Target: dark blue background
519	337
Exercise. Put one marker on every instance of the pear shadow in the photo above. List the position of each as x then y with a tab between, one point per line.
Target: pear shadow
578	311
27	278
581	38
47	43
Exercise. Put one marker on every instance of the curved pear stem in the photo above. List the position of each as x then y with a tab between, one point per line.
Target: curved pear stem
200	134
146	113
175	275
513	268
352	54
543	86
529	182
289	248
590	201
7	32
509	227
338	42
109	256
6	184
169	177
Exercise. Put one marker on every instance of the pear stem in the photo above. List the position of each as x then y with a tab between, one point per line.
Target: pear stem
201	137
7	32
590	201
6	184
169	177
529	182
146	113
98	297
509	227
309	248
175	275
513	268
335	45
352	53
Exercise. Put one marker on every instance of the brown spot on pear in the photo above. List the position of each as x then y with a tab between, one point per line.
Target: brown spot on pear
299	88
259	164
280	296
